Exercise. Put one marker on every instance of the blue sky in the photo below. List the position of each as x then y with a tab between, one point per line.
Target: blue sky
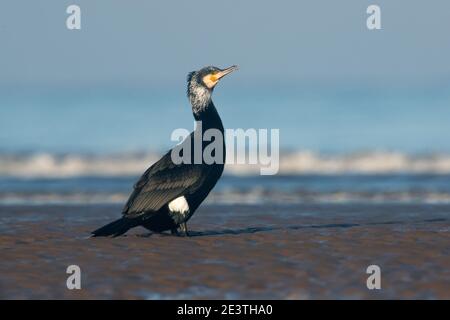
147	42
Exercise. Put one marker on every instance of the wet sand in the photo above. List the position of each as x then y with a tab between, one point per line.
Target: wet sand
235	252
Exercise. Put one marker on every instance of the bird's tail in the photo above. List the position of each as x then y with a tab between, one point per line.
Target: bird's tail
115	228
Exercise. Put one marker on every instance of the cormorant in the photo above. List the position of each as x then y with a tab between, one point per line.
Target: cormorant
167	194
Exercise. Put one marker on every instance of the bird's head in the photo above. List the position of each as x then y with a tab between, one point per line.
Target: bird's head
202	82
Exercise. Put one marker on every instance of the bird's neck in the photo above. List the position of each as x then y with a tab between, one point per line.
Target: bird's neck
204	110
208	123
199	97
209	117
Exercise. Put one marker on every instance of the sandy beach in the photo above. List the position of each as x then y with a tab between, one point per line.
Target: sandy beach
235	252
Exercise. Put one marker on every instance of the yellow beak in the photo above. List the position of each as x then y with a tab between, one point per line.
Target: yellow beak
225	71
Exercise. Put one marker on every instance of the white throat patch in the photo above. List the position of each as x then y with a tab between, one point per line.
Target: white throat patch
179	205
199	97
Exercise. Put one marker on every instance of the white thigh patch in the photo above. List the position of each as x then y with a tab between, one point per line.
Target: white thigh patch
179	205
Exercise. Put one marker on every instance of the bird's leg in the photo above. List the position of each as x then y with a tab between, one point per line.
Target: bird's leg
175	232
184	229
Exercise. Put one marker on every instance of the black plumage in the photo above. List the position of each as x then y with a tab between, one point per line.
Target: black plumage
149	205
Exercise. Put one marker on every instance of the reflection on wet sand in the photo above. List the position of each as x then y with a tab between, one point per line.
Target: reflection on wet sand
280	252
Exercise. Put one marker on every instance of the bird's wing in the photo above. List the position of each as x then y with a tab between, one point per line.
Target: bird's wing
161	183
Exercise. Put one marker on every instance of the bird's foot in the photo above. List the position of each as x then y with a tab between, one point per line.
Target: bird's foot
184	229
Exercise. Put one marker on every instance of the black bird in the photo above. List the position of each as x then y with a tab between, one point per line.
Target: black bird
168	193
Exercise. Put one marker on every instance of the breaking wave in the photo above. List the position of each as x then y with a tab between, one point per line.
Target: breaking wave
375	162
42	165
230	197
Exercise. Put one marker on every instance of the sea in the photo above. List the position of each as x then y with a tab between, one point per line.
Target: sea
340	143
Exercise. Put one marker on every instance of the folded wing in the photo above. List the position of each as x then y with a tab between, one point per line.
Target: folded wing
161	183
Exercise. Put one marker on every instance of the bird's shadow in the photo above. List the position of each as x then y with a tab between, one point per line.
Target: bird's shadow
251	230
